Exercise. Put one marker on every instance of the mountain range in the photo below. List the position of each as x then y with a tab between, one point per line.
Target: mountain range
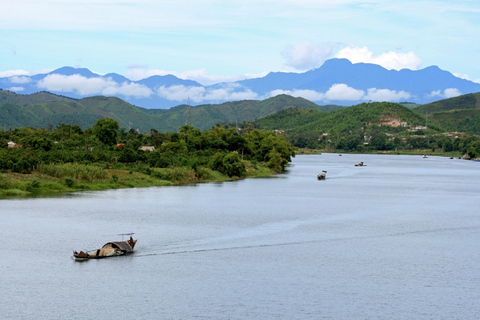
337	81
47	110
44	110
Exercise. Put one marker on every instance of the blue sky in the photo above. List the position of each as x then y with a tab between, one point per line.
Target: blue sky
212	41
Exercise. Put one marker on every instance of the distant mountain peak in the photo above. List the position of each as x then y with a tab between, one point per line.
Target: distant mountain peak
337	82
70	71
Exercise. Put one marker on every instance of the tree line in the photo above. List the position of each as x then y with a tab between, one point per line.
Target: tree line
360	129
220	149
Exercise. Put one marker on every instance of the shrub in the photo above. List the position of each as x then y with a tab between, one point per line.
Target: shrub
69	182
77	171
33	185
233	164
177	174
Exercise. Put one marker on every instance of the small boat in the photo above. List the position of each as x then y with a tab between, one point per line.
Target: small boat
110	249
360	164
425	156
322	176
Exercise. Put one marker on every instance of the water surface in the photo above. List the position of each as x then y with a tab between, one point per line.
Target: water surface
397	239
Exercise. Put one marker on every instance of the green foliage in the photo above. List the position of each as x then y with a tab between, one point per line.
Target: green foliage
473	149
176	175
33	185
44	110
233	165
75	170
106	131
467	101
69	182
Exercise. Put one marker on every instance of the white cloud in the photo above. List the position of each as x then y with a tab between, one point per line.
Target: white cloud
181	93
307	55
201	76
311	95
389	60
19	79
447	93
200	94
128	89
20	72
12	73
386	95
465	77
91	86
341	91
452	92
16	89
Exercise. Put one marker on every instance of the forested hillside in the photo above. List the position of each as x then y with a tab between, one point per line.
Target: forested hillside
105	156
367	127
45	110
459	114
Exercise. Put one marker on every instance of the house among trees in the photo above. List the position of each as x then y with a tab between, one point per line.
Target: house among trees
12	144
147	148
394	123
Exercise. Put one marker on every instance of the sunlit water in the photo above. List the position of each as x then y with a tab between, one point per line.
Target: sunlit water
397	239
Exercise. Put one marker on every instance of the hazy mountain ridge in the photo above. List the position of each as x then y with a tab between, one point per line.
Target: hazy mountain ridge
337	81
44	109
33	111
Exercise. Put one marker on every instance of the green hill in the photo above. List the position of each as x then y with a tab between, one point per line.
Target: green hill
467	101
343	120
43	110
23	100
460	114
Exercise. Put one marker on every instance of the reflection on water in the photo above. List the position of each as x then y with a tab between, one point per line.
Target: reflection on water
395	239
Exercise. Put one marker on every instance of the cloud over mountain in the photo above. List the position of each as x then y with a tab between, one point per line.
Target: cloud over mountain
307	55
92	86
336	81
389	60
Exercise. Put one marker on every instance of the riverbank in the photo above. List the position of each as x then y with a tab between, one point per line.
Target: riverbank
415	152
39	184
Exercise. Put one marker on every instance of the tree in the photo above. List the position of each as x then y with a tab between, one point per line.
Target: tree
106	130
233	165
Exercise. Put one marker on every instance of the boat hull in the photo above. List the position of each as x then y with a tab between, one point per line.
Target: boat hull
110	249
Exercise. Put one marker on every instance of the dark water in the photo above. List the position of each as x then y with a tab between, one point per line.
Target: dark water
397	239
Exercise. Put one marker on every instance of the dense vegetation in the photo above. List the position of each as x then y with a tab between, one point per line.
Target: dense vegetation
370	127
111	157
46	110
459	114
69	144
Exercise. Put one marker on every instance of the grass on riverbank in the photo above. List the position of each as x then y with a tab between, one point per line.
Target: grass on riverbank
50	179
429	152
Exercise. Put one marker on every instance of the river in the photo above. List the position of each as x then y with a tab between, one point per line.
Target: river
395	239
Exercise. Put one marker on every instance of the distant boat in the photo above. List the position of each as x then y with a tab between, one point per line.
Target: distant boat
322	176
110	249
360	164
425	156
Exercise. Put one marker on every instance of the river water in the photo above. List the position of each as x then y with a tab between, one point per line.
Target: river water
396	239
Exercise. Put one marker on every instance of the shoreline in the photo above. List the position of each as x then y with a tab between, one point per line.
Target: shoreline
17	185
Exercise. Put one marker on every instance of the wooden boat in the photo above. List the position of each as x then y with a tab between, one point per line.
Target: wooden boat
360	164
110	249
322	176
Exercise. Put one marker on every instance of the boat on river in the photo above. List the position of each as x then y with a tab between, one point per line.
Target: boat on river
322	176
110	249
